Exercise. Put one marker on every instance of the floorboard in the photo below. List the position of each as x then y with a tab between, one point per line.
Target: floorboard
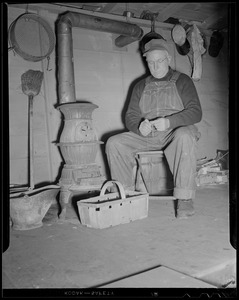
65	254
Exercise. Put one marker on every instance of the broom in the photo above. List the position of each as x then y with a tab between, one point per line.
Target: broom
31	85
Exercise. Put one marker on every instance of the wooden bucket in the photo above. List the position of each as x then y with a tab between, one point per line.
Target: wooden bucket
153	174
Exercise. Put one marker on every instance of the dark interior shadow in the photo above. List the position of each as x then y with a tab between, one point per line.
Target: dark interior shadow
43	184
60	168
175	204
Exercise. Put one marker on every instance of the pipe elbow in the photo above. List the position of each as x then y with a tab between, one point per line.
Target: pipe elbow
124	40
135	31
64	23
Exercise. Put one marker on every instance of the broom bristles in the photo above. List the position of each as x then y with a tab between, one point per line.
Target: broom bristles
31	82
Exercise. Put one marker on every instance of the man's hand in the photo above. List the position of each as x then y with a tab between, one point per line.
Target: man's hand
160	124
145	127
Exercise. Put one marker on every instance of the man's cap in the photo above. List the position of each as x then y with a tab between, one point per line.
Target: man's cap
155	44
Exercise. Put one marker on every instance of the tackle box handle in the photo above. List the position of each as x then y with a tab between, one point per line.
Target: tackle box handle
118	184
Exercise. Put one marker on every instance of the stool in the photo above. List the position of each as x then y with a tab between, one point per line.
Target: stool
153	175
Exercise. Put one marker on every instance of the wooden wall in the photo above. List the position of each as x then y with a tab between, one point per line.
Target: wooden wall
103	76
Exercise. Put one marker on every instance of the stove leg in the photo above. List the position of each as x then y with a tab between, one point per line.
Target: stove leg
65	196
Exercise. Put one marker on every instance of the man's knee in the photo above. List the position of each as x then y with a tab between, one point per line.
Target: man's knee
113	142
185	134
110	142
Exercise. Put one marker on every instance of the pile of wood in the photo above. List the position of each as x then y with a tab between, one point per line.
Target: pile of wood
211	172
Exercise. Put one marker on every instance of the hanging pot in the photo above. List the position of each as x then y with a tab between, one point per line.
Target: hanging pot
216	43
151	35
180	39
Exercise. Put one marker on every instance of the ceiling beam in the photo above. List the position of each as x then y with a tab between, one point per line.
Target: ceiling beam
222	24
59	8
169	11
209	22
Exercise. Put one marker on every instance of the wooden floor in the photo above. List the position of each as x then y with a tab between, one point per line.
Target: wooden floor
159	251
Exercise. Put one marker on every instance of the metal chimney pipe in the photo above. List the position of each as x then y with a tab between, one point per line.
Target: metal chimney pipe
66	80
75	147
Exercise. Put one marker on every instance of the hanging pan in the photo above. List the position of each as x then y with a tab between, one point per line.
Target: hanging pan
151	35
31	37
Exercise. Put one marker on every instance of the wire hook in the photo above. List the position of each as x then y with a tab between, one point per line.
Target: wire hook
48	58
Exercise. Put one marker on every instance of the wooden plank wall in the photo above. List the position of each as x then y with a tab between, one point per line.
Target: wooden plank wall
45	115
103	75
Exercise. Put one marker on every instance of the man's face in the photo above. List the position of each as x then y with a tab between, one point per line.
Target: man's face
158	63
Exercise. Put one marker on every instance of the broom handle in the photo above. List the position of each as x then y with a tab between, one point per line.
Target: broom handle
31	150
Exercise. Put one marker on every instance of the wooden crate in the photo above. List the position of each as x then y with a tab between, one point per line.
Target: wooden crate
113	209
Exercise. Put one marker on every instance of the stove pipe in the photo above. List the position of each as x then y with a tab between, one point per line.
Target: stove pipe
66	80
78	142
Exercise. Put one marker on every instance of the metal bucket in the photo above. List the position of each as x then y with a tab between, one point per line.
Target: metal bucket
28	209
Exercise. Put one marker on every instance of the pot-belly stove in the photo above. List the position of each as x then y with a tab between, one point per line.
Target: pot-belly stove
79	146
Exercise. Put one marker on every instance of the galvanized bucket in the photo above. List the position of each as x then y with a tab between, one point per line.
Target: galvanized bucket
28	209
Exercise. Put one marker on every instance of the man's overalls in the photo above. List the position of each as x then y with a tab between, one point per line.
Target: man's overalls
159	99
